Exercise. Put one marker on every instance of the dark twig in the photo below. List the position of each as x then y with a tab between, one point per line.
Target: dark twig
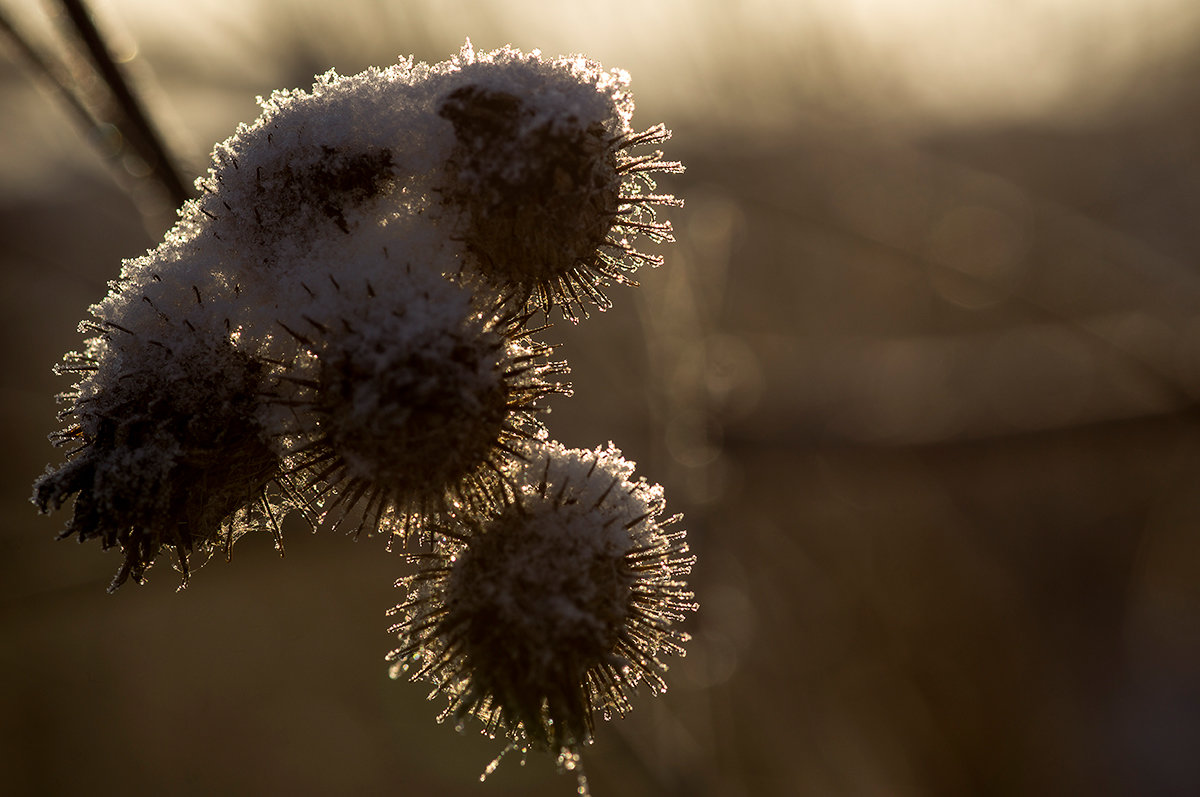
55	73
137	126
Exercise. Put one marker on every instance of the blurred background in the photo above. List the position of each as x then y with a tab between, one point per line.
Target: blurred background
922	372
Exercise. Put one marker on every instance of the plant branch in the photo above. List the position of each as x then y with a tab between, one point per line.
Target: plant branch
138	127
53	72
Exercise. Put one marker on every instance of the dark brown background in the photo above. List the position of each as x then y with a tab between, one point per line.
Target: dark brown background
922	374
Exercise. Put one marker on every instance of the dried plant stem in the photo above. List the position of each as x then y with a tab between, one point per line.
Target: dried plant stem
136	124
44	65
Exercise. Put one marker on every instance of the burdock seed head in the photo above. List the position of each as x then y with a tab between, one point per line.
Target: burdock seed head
412	409
167	453
548	193
554	607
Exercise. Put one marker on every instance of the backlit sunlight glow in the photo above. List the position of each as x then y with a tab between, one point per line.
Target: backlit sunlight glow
922	374
920	61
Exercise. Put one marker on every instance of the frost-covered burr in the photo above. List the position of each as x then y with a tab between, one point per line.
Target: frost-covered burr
554	607
341	323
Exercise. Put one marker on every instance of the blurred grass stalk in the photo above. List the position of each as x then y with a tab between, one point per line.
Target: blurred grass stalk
100	98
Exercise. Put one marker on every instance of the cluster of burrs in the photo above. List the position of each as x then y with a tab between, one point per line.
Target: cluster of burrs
342	325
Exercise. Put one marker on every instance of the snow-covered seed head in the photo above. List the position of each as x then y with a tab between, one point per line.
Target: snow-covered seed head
555	606
541	174
167	450
413	410
321	192
426	411
317	166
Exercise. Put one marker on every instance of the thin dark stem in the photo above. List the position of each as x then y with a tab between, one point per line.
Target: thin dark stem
53	72
139	128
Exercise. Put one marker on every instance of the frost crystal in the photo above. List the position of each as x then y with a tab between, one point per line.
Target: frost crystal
541	173
552	609
168	452
413	409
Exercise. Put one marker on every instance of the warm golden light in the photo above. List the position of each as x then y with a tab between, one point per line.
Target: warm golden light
919	61
922	371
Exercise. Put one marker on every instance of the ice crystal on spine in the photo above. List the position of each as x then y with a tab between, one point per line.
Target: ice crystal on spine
549	193
168	453
533	619
412	410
